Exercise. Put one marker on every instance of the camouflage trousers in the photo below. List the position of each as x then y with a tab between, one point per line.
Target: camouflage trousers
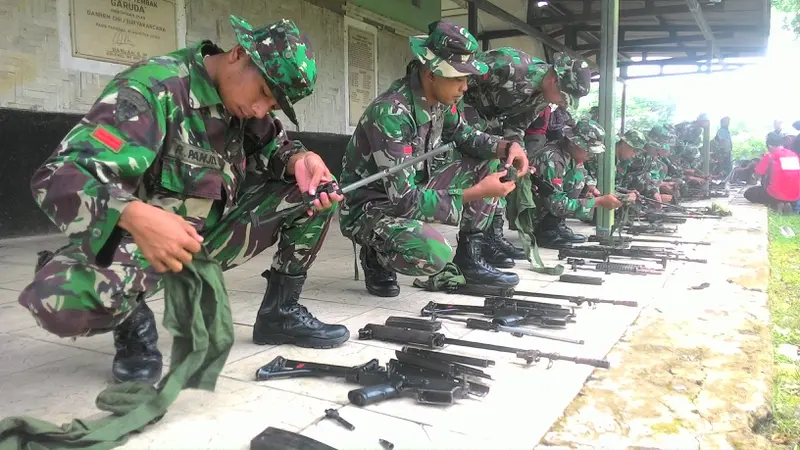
415	248
70	296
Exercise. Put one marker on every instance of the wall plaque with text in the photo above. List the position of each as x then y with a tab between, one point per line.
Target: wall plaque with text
123	31
361	81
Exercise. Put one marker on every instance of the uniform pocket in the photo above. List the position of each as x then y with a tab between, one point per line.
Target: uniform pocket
193	172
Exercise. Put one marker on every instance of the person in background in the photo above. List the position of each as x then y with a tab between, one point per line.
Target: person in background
780	178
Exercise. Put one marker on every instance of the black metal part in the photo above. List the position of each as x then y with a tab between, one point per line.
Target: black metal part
450	357
278	439
404	336
579	279
331	413
413	323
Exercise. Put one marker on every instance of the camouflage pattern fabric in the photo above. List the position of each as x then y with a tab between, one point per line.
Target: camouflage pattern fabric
638	175
400	124
574	76
410	245
556	165
70	296
160	134
449	50
689	141
292	76
508	95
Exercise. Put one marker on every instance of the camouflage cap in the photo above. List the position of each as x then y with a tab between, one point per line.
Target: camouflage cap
586	134
659	138
634	138
574	76
284	55
449	50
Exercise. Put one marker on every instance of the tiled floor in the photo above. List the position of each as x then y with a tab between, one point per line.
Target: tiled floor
58	379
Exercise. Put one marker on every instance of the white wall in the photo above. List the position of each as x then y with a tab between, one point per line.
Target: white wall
32	76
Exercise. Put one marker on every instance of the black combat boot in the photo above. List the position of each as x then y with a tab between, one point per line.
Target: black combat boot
567	234
495	240
282	320
379	280
474	268
136	341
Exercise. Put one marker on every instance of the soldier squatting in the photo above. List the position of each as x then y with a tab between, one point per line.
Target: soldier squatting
180	150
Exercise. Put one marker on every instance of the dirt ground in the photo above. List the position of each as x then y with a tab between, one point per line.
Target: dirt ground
695	370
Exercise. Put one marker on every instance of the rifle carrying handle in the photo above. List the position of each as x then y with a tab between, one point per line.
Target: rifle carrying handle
372	394
599	363
478	324
401	335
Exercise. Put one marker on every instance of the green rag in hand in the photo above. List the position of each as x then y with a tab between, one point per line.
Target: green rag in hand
197	314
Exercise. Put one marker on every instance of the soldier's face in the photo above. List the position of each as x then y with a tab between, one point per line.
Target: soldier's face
578	154
625	151
243	90
448	90
551	90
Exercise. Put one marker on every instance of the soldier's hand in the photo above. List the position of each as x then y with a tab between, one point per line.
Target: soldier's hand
594	192
666	198
518	158
608	202
310	171
491	186
165	239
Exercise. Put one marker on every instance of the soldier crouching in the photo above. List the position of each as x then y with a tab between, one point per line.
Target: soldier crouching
390	218
180	151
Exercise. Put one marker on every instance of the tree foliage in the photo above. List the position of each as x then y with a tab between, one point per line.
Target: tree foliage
641	113
792	8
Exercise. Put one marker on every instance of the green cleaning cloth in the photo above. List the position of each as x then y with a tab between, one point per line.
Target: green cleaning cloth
198	316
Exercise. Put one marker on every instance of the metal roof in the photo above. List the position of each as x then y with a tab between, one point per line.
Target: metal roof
667	30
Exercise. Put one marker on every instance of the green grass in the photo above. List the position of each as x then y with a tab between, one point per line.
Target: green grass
784	303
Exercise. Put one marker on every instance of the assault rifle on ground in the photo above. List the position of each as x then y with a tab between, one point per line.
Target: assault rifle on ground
544	315
612	267
604	253
424	378
438	340
657	229
477	290
332	188
607	240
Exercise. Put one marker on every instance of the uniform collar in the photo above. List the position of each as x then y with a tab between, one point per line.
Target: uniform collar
422	110
203	92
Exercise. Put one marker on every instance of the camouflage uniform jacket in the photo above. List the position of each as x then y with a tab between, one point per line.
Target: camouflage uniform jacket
397	125
508	95
158	133
591	168
639	175
557	166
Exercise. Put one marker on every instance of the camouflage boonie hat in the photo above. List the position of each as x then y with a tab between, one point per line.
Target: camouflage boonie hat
586	134
634	138
284	55
449	50
574	76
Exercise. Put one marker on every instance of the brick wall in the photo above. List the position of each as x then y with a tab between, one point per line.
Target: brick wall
31	76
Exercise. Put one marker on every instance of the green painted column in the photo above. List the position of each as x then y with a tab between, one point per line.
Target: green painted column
609	27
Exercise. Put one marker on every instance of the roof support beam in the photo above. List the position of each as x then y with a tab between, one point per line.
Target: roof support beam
594	17
652	41
491	8
694	7
500	34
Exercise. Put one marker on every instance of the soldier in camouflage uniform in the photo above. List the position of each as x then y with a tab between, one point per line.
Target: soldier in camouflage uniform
176	153
645	170
505	101
390	218
560	163
627	147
